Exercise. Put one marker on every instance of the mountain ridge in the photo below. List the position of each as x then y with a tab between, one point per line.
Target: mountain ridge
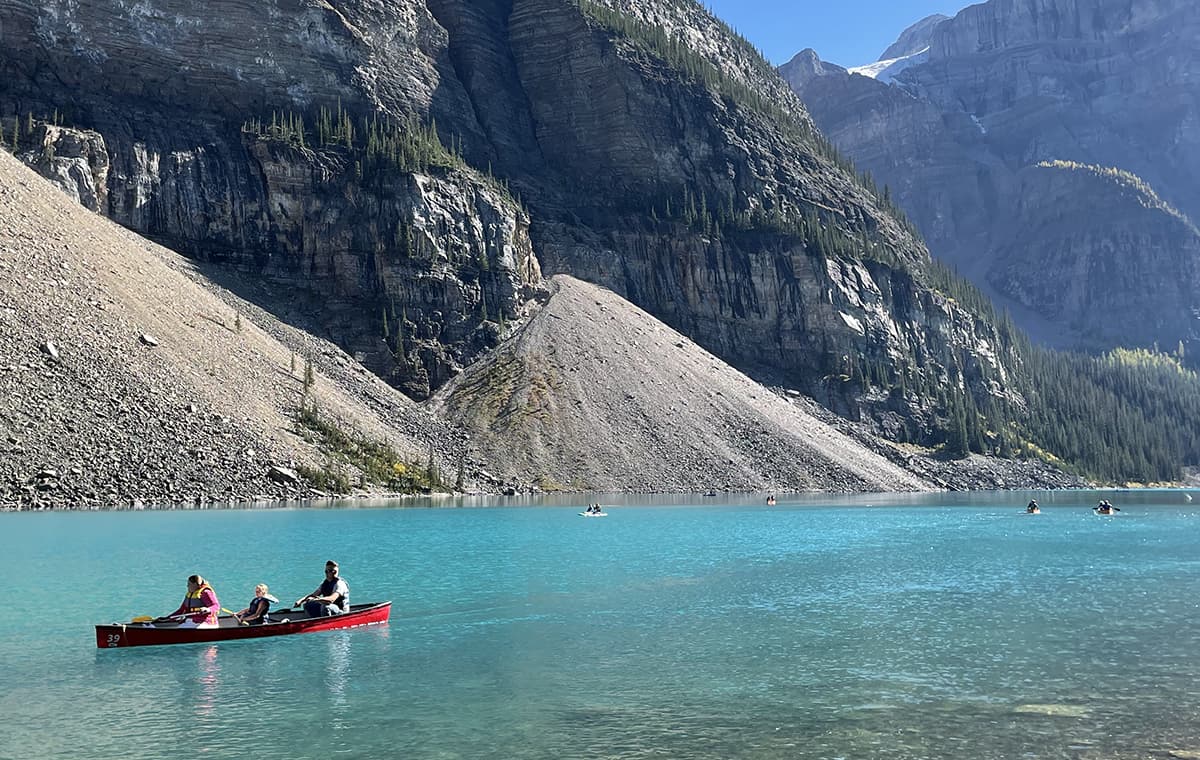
374	193
955	135
157	387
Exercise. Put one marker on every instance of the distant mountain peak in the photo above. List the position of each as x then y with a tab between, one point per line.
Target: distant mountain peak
912	40
807	65
965	142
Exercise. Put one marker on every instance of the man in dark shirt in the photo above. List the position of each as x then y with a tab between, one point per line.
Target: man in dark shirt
332	597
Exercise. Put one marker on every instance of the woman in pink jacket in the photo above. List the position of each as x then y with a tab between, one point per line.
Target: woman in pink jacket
200	605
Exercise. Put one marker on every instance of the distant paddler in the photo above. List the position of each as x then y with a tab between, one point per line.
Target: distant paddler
1032	508
1105	508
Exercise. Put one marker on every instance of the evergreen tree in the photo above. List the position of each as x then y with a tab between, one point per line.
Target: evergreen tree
956	444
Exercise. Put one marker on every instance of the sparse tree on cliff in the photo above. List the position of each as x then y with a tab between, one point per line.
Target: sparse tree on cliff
310	377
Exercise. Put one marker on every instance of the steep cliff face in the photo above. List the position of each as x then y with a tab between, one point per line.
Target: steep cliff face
914	39
411	268
632	139
232	63
1006	85
1109	82
951	186
1099	279
75	161
657	155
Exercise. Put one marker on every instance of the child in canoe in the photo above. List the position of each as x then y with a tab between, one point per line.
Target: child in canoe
256	612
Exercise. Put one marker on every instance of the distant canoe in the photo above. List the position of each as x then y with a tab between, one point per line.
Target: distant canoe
282	623
593	514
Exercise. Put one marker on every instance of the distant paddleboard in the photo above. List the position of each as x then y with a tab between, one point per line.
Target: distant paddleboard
593	514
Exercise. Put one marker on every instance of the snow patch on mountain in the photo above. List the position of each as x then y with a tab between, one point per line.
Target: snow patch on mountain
886	71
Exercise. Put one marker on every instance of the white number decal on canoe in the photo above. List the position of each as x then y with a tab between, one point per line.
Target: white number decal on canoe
114	640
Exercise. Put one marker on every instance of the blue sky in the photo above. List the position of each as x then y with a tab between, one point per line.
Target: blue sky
845	32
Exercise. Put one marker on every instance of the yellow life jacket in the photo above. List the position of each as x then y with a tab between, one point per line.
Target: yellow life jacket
193	597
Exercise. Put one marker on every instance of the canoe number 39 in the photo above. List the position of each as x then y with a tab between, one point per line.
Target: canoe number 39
114	640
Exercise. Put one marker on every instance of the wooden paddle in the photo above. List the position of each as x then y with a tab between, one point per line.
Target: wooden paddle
234	615
150	619
181	616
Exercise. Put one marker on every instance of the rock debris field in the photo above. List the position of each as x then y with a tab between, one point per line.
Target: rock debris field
126	380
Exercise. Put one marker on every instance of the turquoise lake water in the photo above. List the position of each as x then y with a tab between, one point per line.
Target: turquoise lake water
934	626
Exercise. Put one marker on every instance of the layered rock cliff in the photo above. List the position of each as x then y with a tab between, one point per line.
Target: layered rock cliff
1006	85
1099	280
128	379
413	268
638	145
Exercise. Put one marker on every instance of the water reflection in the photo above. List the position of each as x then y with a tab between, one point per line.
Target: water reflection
208	682
337	666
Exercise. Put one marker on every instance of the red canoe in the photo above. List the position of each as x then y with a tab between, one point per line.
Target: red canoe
283	622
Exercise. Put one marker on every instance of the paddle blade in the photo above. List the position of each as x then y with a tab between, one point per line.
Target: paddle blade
142	619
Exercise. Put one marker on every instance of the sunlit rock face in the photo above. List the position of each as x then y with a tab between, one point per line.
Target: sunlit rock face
1006	85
